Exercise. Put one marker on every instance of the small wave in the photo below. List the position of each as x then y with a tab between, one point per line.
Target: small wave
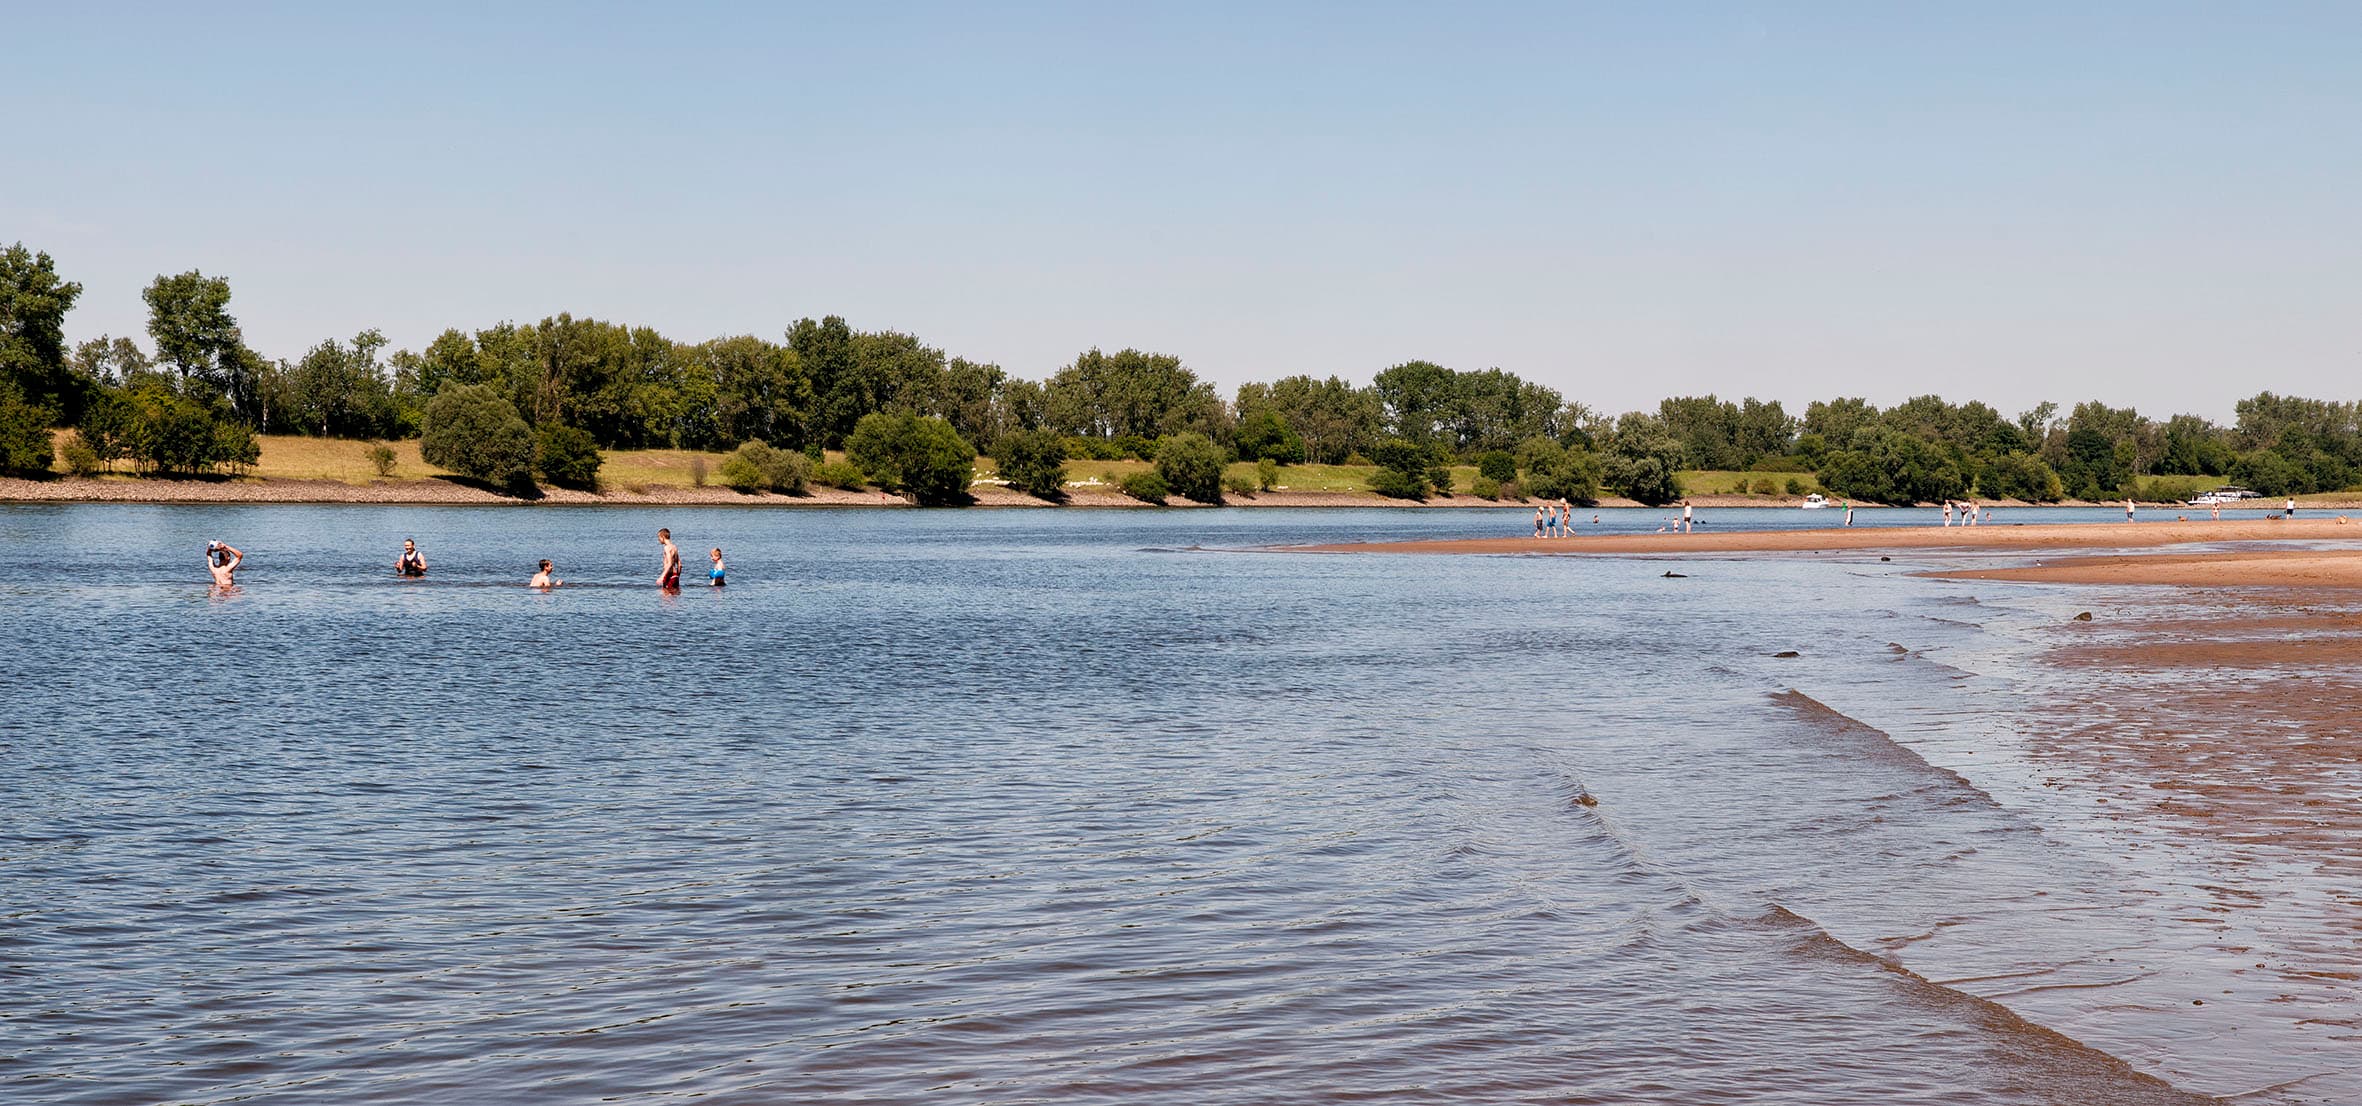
2065	1069
1875	745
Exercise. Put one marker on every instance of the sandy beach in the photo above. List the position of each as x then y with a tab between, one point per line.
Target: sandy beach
1996	536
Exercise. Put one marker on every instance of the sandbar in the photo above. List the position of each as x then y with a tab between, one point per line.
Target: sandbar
2030	536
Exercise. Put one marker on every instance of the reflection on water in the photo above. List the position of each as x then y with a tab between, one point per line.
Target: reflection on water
1026	806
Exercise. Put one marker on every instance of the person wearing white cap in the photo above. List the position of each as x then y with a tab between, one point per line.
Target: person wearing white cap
223	561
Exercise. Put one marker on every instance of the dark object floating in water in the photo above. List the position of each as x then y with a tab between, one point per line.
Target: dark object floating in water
1886	558
1583	798
1675	576
2084	617
1896	647
1787	653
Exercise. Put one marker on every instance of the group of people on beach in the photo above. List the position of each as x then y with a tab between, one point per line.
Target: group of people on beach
1968	513
223	561
1556	521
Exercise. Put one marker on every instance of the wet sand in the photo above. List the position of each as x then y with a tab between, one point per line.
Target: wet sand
2034	536
2273	568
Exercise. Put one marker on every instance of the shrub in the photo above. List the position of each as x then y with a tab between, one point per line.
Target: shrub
472	431
1239	484
1763	485
169	433
234	445
1191	465
81	459
1147	487
1497	465
25	445
1795	486
1888	466
1033	462
567	456
2019	476
1553	471
381	458
1265	434
2269	472
697	474
755	466
1394	483
1132	446
1485	487
922	457
1266	474
841	474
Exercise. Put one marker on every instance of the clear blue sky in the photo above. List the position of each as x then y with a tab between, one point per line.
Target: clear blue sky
2156	204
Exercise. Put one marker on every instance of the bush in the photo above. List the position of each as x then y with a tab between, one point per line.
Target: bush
697	474
1763	485
2019	476
1147	487
81	459
1033	462
1264	434
1132	446
1266	474
1795	486
1239	484
1396	484
1497	465
1888	466
381	458
755	466
25	445
1191	465
841	474
472	431
567	456
922	457
170	433
2268	472
1553	471
1485	487
1405	470
234	445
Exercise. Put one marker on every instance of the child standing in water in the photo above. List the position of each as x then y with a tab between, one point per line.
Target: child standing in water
716	578
670	580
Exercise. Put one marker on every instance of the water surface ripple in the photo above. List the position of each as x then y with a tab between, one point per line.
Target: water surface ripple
1032	807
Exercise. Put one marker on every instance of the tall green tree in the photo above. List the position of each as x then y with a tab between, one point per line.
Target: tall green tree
33	306
189	317
1131	393
1419	400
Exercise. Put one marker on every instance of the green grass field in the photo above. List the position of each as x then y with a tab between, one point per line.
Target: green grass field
1729	482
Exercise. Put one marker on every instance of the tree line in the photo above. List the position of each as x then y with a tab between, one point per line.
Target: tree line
514	400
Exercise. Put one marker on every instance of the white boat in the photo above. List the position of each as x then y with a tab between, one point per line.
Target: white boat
1814	502
2222	495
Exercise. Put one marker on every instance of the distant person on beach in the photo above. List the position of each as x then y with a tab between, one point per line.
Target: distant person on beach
2128	508
2217	510
1538	523
412	562
2292	506
1686	516
1947	512
223	560
670	580
715	577
1849	512
543	579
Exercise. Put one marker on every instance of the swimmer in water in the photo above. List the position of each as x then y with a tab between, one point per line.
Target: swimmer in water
222	560
715	578
413	563
543	579
670	579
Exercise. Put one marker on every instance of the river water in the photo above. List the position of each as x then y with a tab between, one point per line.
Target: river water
1090	807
